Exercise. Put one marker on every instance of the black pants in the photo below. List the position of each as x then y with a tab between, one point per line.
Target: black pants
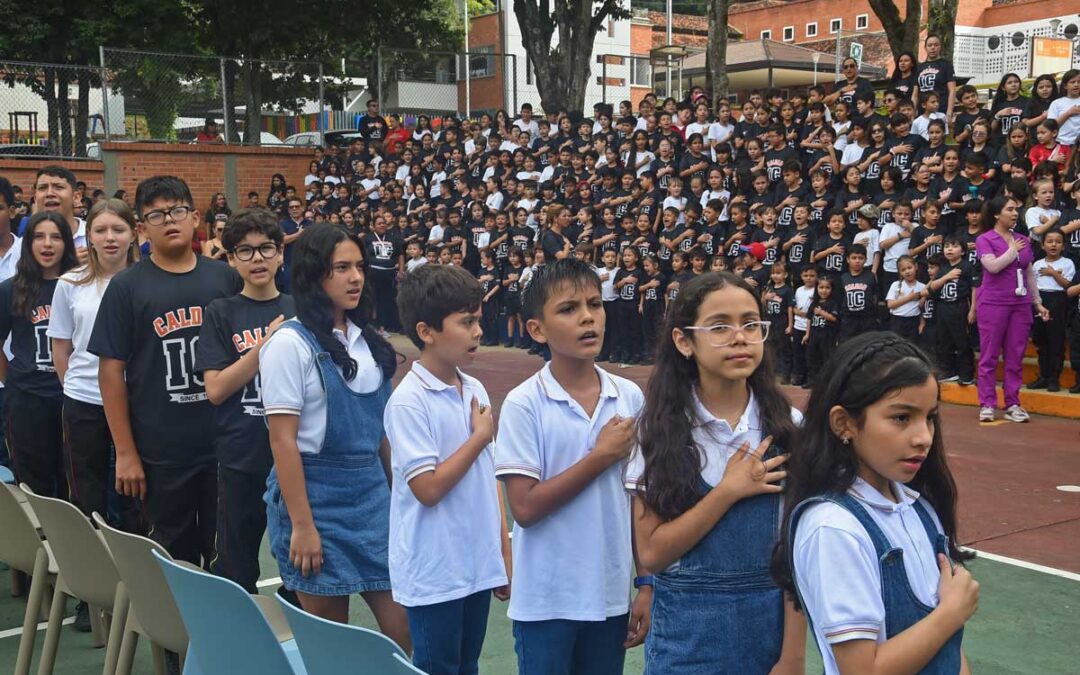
181	505
241	522
1074	341
780	344
1049	336
611	309
628	337
489	321
821	347
651	318
928	340
955	353
35	438
798	357
857	324
382	285
905	326
88	460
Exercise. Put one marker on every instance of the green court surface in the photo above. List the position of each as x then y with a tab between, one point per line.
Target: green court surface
1028	622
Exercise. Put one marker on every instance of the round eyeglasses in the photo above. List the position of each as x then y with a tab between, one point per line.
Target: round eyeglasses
723	335
266	251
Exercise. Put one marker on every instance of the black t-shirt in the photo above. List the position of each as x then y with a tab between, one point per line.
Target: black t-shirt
150	319
935	76
919	237
489	278
522	237
820	327
382	252
798	254
786	213
31	369
373	127
1011	114
649	244
832	264
552	242
775	160
231	328
652	296
858	294
733	249
958	289
664	253
964	120
862	86
629	292
676	282
772	253
776	309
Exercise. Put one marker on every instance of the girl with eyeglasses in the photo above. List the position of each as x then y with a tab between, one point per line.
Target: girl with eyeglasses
706	482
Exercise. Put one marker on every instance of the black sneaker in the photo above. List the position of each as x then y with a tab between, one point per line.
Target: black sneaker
1075	389
1053	386
82	618
1038	384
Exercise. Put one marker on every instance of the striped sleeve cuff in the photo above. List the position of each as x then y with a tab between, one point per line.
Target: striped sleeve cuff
517	470
851	633
415	471
634	485
281	410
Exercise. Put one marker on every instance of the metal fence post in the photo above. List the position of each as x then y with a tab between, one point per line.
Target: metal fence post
104	92
322	106
515	84
224	102
378	76
603	78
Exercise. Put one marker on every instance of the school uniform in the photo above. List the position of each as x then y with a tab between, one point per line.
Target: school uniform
858	303
952	302
803	299
381	255
610	298
628	344
832	265
716	609
652	314
776	312
444	559
572	571
338	436
851	581
489	309
231	328
8	266
150	319
904	320
1049	336
822	341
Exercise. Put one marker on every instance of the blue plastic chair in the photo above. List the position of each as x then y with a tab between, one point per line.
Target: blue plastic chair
228	632
6	476
403	667
331	648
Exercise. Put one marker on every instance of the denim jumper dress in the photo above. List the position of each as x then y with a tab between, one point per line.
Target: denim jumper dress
346	488
902	608
718	610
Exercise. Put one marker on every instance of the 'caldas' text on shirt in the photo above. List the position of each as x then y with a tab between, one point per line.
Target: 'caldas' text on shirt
178	319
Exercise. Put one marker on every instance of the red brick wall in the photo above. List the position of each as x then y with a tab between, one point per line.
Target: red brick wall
752	18
22	172
981	13
487	93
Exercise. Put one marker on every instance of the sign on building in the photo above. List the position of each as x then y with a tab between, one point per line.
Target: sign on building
1050	55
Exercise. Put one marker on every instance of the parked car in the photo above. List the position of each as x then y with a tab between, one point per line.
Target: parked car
308	139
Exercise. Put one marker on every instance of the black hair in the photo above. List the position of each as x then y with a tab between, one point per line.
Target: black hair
26	286
245	221
556	276
673	462
7	191
857	249
162	187
862	371
431	293
976	159
58	171
312	263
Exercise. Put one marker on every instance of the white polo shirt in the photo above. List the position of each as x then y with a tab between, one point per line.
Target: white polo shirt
74	309
291	384
607	283
901	287
1065	266
453	549
577	563
838	572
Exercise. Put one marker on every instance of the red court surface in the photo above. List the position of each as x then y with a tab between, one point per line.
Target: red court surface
1008	474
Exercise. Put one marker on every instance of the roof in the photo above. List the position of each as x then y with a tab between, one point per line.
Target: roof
743	55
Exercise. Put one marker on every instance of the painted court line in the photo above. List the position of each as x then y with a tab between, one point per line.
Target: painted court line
1072	576
12	632
276	581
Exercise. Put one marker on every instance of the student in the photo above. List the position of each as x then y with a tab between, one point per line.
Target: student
713	438
110	228
801	306
10	251
325	382
564	437
650	307
830	248
628	279
777	301
233	333
872	478
490	286
449	548
895	241
858	295
954	293
511	298
1054	274
606	272
903	300
34	396
820	338
928	333
145	336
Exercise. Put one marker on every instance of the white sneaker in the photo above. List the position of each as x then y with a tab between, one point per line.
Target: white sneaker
1016	414
950	378
986	414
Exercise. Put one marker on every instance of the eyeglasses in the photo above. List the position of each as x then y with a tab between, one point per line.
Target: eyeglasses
266	251
849	66
177	213
723	335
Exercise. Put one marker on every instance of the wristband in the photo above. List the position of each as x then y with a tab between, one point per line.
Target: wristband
643	581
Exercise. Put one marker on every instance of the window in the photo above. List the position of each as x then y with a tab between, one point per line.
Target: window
482	62
789	33
836	25
811	29
640	72
766	34
862	22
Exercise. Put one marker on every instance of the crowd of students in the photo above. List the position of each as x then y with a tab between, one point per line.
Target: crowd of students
208	403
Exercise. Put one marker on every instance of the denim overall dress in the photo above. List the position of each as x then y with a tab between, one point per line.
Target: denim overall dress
902	608
718	611
346	488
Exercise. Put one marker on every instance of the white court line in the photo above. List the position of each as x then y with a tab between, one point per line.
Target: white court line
12	632
276	581
1072	576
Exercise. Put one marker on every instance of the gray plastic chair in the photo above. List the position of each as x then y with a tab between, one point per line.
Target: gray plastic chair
403	667
330	648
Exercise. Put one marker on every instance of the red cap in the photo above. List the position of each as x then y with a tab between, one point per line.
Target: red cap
756	249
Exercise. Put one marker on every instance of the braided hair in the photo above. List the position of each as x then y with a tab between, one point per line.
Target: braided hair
863	371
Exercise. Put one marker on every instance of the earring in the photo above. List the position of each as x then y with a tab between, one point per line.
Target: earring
846	440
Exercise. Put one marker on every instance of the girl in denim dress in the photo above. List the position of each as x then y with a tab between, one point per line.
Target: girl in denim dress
325	382
706	482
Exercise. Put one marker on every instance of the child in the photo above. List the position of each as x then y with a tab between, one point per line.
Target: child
858	296
1042	216
651	306
927	239
33	394
1053	274
680	275
564	436
779	312
903	300
449	550
755	272
511	299
713	438
490	286
895	241
872	445
769	234
1048	148
796	246
953	291
628	345
831	247
145	336
415	253
928	335
820	338
869	235
801	309
233	333
607	272
325	382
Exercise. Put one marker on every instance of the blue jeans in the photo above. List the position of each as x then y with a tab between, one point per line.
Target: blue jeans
4	459
448	636
562	647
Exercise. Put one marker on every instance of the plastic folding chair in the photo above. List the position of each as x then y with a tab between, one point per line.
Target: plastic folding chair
229	632
330	648
403	667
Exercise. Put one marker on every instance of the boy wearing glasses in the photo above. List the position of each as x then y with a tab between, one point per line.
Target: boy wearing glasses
233	332
292	226
146	334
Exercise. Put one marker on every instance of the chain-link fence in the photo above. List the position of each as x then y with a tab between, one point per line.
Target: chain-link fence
49	110
180	97
410	81
618	76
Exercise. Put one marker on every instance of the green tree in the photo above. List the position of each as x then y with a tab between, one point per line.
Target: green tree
716	77
942	22
902	32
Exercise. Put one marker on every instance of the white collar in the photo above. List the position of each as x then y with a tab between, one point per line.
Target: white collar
869	496
432	383
748	420
555	391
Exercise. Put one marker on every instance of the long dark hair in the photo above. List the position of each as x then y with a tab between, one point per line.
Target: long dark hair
672	459
992	209
999	93
26	287
863	371
312	262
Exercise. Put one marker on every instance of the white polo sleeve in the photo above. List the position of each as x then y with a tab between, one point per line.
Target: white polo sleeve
839	579
518	447
61	318
413	449
283	364
635	470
